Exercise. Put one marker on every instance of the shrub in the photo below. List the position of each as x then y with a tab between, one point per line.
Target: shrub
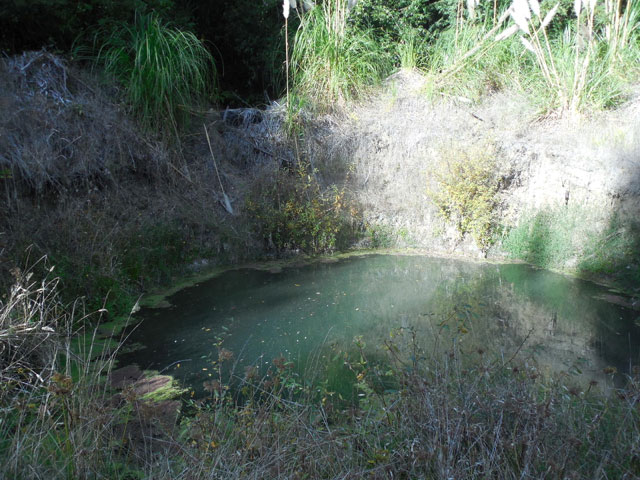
466	191
295	213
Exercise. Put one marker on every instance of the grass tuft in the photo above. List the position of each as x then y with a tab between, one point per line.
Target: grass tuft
331	62
163	69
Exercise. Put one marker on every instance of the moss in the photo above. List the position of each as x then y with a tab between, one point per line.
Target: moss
168	387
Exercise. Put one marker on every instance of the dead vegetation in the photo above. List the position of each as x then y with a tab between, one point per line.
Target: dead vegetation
31	320
62	135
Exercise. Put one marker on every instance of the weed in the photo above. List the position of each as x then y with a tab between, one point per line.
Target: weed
380	236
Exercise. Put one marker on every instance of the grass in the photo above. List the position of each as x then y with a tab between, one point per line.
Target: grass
550	238
330	62
573	238
580	67
163	69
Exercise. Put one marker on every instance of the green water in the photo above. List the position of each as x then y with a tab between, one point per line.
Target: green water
311	314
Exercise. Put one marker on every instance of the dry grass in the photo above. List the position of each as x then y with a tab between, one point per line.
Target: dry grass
60	135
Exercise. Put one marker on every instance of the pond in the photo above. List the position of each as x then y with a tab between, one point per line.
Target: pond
311	314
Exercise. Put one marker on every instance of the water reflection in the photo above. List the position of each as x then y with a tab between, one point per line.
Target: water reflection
549	320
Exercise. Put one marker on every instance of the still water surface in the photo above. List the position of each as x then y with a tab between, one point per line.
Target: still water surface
554	322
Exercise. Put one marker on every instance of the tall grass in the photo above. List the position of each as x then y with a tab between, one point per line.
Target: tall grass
163	69
54	420
330	62
410	49
584	66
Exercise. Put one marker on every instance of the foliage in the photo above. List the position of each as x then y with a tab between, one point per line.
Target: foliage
380	236
615	252
47	391
249	45
147	256
388	21
570	237
492	417
410	49
295	213
162	69
466	191
489	70
332	62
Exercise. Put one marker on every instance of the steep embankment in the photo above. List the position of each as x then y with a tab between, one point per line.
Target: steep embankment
120	210
117	209
559	193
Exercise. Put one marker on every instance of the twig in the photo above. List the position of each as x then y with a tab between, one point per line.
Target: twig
213	158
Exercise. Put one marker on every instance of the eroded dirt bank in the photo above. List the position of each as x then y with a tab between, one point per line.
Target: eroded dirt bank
120	210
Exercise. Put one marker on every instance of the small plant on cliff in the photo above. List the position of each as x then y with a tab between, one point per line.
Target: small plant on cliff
465	191
162	68
296	213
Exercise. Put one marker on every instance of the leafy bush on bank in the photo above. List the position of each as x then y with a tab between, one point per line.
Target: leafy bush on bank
466	191
295	213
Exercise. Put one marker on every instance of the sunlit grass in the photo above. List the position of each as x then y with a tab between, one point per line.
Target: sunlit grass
584	67
330	63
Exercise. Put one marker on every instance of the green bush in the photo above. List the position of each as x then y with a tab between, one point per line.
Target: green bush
466	191
163	69
295	213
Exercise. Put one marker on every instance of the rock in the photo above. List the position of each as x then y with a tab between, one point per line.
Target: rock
125	376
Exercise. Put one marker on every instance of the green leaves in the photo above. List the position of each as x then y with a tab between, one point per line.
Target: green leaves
467	190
